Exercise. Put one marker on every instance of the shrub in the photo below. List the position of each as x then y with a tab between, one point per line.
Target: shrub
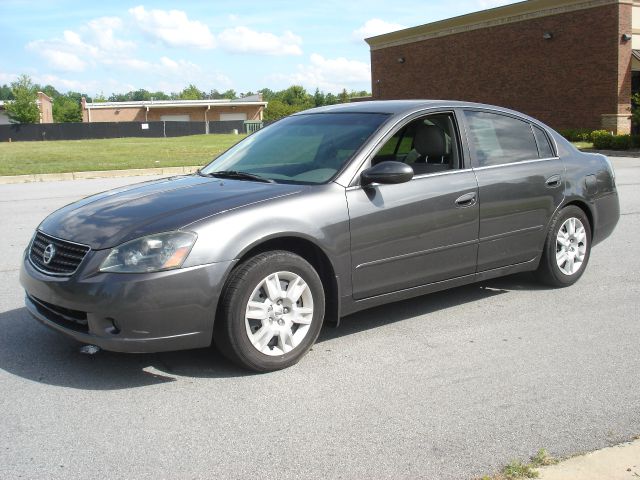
602	139
621	142
576	134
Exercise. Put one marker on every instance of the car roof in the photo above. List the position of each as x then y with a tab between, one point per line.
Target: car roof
405	107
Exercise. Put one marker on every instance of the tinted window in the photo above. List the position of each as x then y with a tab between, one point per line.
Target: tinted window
429	144
498	139
544	147
301	148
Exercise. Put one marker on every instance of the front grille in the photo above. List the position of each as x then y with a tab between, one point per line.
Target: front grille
66	255
65	317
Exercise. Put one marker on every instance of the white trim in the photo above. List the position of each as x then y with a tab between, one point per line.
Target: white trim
175	104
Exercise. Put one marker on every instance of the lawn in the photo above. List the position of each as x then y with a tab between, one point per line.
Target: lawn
21	158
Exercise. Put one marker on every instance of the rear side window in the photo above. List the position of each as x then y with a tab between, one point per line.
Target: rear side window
544	147
498	139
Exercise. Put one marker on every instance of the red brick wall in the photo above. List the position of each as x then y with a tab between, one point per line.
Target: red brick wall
567	82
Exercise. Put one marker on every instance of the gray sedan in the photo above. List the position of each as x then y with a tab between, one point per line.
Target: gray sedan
317	216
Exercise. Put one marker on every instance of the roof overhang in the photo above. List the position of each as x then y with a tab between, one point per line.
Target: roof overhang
173	104
516	12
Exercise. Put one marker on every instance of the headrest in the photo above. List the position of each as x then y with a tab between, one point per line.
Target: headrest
430	141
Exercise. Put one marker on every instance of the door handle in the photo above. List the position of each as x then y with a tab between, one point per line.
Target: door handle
466	200
553	181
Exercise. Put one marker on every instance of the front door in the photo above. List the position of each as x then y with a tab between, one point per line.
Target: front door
422	231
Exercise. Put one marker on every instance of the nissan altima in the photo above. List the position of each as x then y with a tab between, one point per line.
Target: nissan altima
319	215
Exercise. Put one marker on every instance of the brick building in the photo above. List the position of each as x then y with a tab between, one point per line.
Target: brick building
567	62
45	107
248	108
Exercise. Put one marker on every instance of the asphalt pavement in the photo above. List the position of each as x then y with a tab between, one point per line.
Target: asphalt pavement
447	386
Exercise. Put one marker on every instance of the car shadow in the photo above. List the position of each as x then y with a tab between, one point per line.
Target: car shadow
398	311
34	352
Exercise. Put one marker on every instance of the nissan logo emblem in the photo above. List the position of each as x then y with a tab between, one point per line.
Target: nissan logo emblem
49	253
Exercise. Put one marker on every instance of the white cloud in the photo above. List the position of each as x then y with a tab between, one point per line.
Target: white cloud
100	30
94	43
173	28
374	27
245	40
65	61
330	74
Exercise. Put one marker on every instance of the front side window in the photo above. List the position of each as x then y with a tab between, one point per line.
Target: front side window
429	144
305	149
498	139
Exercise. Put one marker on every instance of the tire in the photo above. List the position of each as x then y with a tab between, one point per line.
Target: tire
271	312
567	248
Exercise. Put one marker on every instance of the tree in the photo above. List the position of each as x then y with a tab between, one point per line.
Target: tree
66	109
277	109
191	93
343	97
6	93
318	98
48	90
23	108
230	94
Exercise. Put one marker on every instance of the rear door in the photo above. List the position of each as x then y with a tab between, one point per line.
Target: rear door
520	181
419	232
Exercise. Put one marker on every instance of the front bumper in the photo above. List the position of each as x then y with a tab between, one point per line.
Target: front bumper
151	312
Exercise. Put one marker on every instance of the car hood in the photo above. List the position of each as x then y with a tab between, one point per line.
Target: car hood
116	216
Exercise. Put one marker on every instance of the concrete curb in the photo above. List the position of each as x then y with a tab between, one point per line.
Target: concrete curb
55	177
621	462
614	153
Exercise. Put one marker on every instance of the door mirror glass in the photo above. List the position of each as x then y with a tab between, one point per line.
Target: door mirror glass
387	173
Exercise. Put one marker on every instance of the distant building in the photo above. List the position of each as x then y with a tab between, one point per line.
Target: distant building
45	107
247	108
569	63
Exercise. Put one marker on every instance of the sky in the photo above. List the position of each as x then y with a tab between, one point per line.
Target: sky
115	46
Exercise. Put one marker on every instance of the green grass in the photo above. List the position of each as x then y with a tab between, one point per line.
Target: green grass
518	470
582	145
22	158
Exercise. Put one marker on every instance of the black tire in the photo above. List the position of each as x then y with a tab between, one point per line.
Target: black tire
230	332
549	272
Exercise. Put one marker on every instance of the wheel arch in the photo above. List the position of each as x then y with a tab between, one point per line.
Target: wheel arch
584	206
313	254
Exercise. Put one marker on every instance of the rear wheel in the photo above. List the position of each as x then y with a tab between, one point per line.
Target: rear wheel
567	248
271	312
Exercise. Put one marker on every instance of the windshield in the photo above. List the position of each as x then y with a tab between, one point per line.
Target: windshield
306	149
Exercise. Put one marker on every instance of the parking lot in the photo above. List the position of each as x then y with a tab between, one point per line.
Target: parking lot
448	386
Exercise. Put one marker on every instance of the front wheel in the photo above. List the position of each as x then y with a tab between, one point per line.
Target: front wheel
271	312
566	249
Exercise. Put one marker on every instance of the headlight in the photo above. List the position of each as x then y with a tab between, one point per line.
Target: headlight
163	251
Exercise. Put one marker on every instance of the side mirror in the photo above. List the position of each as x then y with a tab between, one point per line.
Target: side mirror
387	173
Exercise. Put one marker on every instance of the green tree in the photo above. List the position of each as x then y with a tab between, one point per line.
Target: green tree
99	98
48	90
330	99
297	96
160	96
230	94
267	94
66	109
343	97
277	109
318	98
191	93
6	93
23	108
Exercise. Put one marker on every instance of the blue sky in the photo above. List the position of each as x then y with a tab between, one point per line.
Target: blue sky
117	45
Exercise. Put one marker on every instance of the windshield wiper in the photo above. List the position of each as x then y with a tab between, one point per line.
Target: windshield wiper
237	175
